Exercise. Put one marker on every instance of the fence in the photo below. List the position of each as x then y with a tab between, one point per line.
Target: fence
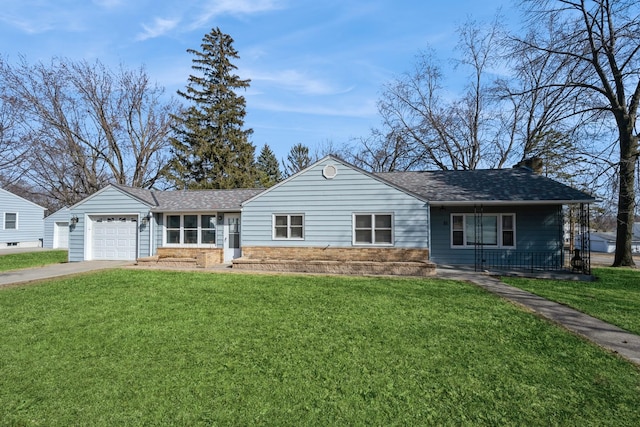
533	261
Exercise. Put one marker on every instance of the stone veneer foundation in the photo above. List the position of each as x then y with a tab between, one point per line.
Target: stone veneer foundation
351	260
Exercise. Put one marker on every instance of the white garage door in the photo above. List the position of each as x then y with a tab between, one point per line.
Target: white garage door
61	234
114	237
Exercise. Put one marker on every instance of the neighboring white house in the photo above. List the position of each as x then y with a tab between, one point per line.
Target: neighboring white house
56	229
22	222
606	241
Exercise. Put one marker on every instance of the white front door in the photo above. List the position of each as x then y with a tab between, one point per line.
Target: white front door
231	236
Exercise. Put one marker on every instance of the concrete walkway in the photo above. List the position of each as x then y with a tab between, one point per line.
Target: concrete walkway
601	333
27	275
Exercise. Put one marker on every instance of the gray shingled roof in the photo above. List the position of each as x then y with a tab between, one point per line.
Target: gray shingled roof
191	200
142	194
485	185
203	200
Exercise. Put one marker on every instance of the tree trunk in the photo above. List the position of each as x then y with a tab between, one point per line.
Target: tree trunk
626	198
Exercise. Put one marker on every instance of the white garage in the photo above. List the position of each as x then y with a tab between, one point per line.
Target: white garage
113	237
60	235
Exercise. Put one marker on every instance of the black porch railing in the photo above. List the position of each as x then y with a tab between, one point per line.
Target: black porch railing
533	261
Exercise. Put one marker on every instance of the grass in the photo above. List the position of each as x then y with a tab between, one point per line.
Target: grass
614	297
127	347
31	259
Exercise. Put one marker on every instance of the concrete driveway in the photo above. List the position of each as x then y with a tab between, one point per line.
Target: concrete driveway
36	274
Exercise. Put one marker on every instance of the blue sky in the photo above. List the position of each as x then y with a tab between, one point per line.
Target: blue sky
317	67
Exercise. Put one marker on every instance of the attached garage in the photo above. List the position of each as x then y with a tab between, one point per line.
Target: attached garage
113	237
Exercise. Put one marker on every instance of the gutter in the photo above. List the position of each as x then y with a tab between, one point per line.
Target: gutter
507	202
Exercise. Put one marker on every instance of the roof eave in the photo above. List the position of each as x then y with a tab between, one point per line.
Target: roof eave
185	210
507	202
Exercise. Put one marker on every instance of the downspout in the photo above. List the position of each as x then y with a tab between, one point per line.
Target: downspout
429	225
151	240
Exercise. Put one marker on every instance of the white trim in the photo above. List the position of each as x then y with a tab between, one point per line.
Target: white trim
288	215
498	216
181	229
88	231
330	171
373	228
4	221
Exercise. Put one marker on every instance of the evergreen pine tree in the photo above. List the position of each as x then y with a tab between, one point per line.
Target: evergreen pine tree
268	168
210	148
297	159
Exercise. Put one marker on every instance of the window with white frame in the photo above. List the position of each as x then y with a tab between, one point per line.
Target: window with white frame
190	229
372	229
288	227
497	230
10	221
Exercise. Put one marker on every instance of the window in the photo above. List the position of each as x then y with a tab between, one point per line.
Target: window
288	226
496	230
190	229
372	229
10	221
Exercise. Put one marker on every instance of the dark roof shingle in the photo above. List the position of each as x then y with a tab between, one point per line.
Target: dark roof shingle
484	185
203	200
191	200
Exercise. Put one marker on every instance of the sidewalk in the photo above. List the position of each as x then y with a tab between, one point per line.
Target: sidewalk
601	333
35	274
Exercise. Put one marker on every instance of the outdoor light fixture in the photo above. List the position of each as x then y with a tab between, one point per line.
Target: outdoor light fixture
145	219
75	219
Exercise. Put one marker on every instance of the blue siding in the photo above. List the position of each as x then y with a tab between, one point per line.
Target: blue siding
109	201
328	206
30	221
538	229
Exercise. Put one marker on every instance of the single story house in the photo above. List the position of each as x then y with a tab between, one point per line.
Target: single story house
22	222
56	229
333	214
606	242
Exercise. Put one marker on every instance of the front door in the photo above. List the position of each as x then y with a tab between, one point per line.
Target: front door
231	236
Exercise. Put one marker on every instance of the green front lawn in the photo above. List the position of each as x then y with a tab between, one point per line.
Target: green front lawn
127	347
614	297
32	259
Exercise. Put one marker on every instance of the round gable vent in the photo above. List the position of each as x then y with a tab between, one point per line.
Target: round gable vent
330	171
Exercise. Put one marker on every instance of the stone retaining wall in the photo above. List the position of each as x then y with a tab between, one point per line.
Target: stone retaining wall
378	261
205	257
335	254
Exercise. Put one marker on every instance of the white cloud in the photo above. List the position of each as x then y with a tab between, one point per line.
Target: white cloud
296	81
233	7
159	27
363	108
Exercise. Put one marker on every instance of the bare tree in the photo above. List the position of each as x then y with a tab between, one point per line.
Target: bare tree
425	126
534	118
88	125
599	43
12	149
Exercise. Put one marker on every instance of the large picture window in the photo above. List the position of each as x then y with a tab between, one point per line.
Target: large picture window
190	229
373	229
10	221
497	230
288	227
